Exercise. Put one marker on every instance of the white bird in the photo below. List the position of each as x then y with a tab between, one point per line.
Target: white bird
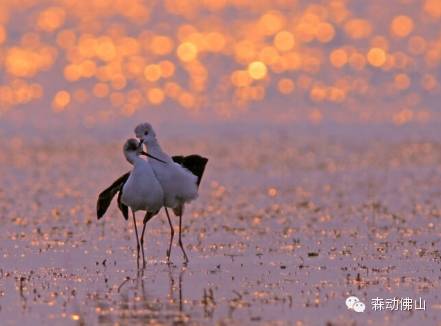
180	186
193	163
142	190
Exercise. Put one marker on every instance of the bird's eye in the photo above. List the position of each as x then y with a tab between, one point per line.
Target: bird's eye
146	133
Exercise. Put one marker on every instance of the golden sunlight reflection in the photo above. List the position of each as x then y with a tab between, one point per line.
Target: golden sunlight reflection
135	55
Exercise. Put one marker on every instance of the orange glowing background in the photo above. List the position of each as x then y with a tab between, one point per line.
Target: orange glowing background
288	60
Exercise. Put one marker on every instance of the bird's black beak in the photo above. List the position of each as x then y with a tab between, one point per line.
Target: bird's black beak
151	156
148	155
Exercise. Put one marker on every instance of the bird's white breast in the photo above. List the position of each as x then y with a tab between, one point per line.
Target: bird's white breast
142	191
179	184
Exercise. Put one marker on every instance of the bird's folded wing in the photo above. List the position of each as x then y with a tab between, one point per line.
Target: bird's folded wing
122	207
194	163
106	196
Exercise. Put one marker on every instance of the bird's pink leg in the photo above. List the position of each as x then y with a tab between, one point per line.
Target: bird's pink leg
147	217
137	238
180	239
172	234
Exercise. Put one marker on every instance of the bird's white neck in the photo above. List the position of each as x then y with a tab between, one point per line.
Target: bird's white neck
153	148
133	158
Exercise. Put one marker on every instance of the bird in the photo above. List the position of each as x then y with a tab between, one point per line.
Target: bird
180	184
194	163
105	197
141	191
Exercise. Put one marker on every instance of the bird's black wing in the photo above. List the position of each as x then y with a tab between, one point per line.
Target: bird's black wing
178	159
194	163
106	196
122	207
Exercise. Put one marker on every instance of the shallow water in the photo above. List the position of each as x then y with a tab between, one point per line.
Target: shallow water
287	226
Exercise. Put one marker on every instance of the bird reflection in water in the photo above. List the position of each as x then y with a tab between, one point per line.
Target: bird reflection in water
136	304
172	288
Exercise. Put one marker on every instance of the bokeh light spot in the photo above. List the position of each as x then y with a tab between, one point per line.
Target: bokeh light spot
358	28
285	86
338	58
401	26
433	8
271	22
161	45
105	49
215	41
257	70
152	72
284	41
66	39
51	19
21	62
167	68
187	52
72	72
376	57
402	81
101	90
155	96
325	32
61	100
241	78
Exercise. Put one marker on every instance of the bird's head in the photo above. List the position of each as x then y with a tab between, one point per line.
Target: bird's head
132	148
145	133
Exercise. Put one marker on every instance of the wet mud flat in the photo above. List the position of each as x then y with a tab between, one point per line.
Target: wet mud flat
287	226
